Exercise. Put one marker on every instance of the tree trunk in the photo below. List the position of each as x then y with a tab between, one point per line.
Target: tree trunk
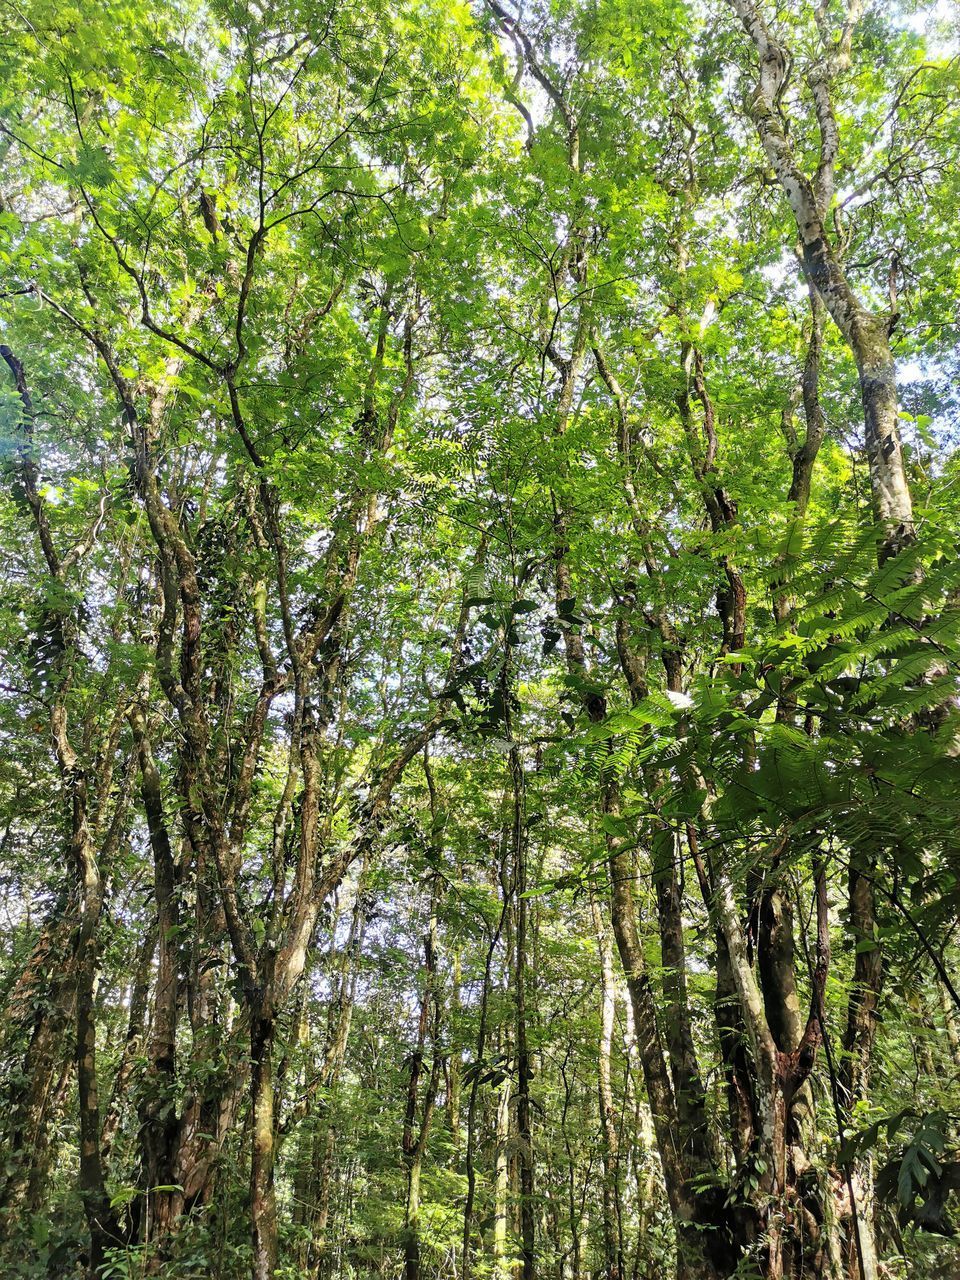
160	1122
612	1217
44	999
415	1139
855	1073
500	1269
528	1253
133	1046
105	1230
701	1254
454	1082
263	1201
866	333
688	1086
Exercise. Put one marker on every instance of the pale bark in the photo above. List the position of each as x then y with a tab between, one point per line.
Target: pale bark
865	332
499	1261
612	1216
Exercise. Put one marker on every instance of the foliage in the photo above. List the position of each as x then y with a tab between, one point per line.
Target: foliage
479	780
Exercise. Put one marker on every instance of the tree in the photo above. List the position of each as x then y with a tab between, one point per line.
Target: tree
480	629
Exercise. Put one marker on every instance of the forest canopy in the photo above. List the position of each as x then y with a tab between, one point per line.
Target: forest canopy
480	624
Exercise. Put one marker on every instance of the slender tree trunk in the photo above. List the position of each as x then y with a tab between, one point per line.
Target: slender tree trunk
263	1200
323	1160
528	1253
133	1045
411	1242
466	1257
698	1258
612	1217
105	1231
454	1084
858	1043
44	999
317	1143
500	879
415	1139
159	1115
572	1255
500	1184
687	1083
